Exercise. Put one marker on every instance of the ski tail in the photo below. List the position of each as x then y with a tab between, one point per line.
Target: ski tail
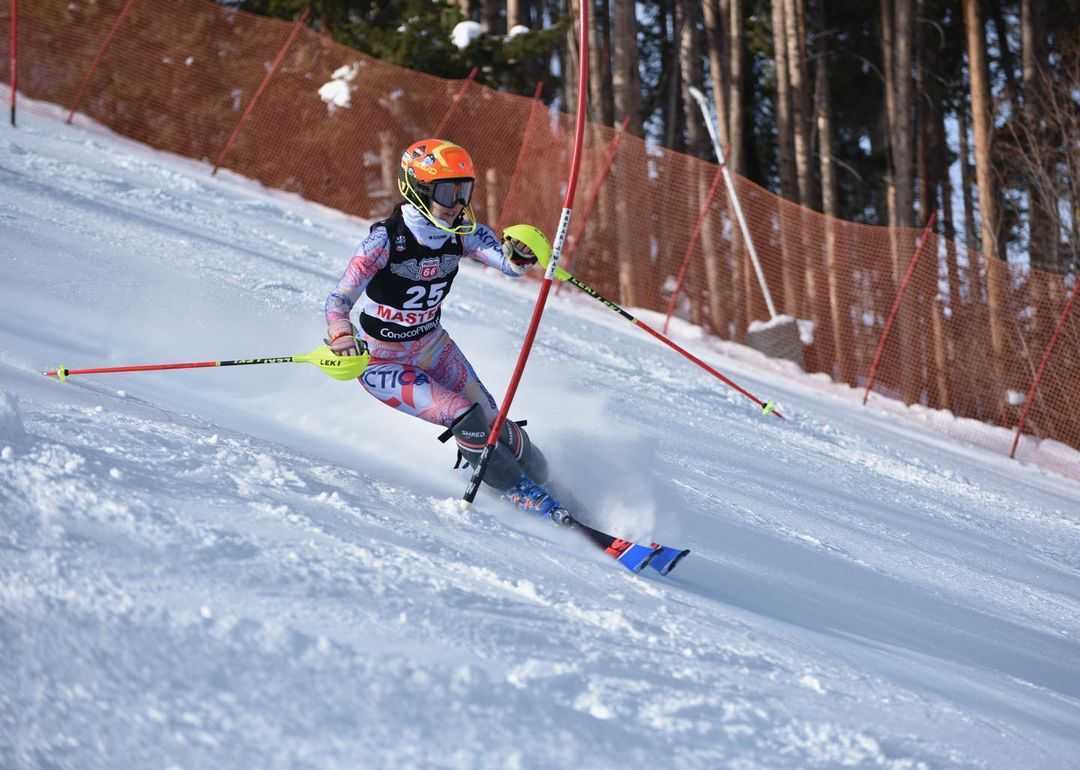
666	558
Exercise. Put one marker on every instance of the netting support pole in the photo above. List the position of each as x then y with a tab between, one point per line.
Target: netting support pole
1042	366
501	221
736	206
97	59
609	160
690	246
923	238
297	26
457	98
13	51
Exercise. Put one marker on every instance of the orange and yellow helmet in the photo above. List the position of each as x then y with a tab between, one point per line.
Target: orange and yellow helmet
443	172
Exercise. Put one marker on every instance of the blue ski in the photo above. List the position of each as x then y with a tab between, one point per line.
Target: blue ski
667	558
531	497
629	554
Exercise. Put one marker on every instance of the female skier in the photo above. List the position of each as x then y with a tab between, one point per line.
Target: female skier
406	267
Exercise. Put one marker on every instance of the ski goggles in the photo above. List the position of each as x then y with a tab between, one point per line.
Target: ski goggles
450	192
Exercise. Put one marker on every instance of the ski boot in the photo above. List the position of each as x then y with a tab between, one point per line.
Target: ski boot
530	496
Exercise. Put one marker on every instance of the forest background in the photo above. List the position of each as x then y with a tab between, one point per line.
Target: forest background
873	111
850	126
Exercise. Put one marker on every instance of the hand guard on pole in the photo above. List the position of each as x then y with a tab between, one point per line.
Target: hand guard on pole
518	254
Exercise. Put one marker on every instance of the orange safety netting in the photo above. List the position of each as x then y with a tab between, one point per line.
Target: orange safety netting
178	75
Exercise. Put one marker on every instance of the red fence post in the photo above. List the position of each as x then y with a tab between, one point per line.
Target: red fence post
97	59
608	161
896	304
13	51
457	98
690	246
1042	366
297	26
521	154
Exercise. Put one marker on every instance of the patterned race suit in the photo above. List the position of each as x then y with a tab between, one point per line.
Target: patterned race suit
406	267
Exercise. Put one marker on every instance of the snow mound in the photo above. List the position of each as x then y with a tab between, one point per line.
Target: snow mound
465	33
11	424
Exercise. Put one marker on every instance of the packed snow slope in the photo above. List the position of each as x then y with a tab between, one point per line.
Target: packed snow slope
259	567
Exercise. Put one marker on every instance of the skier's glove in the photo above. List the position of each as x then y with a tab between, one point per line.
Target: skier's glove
519	256
341	337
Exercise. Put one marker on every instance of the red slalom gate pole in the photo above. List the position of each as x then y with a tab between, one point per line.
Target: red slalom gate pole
97	59
13	51
1042	367
457	98
896	304
690	246
297	26
556	252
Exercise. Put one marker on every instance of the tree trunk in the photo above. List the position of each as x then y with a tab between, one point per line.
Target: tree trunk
941	158
927	100
888	52
801	128
1042	207
626	85
492	18
601	96
673	116
517	12
901	123
923	290
840	340
602	113
971	237
941	359
691	75
996	272
1042	195
570	56
791	272
1006	60
745	301
736	53
625	79
888	57
896	37
795	35
717	42
697	145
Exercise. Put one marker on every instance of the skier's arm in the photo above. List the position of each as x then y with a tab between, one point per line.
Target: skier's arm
484	246
370	257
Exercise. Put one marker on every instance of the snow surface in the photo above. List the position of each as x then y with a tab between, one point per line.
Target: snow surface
260	567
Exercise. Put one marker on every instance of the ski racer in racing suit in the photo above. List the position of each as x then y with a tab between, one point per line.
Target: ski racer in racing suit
406	267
